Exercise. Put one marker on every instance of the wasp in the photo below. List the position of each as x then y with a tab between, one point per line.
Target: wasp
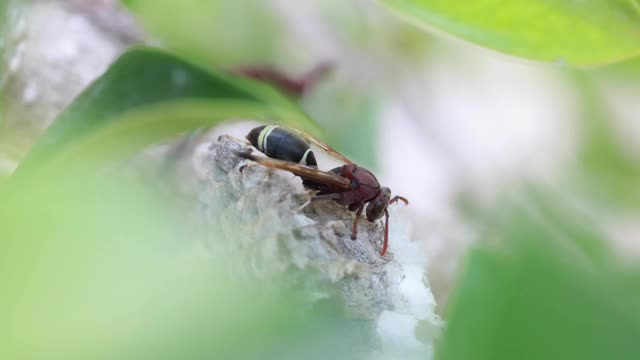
350	185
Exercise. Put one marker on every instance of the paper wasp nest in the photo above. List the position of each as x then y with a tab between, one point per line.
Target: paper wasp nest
262	213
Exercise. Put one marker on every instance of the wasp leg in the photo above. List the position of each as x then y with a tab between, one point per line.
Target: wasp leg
354	233
323	197
306	203
319	198
245	167
386	233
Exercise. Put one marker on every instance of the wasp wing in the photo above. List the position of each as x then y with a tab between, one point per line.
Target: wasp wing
324	146
305	172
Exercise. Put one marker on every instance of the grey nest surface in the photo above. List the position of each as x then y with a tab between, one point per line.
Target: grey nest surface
264	214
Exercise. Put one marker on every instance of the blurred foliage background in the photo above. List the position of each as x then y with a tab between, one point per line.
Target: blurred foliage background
511	127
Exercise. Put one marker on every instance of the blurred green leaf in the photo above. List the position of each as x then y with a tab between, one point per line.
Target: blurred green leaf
8	151
350	120
542	286
580	33
379	33
96	264
212	32
148	96
607	171
4	7
625	70
99	266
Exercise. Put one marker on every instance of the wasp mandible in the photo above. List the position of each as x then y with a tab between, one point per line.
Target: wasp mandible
350	185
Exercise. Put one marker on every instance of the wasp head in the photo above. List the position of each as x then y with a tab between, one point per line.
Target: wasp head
376	207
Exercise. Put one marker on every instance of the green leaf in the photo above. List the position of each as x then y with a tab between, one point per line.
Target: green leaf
606	171
628	70
581	33
101	265
106	267
3	17
148	96
343	114
214	32
550	290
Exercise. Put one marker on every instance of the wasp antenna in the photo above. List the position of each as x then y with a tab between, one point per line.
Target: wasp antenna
386	233
400	198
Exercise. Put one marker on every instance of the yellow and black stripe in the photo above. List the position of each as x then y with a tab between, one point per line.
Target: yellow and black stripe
283	144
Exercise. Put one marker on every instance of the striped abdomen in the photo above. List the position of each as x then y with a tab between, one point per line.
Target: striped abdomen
280	143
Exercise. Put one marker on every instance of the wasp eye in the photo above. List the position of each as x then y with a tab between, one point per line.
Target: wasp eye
375	209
